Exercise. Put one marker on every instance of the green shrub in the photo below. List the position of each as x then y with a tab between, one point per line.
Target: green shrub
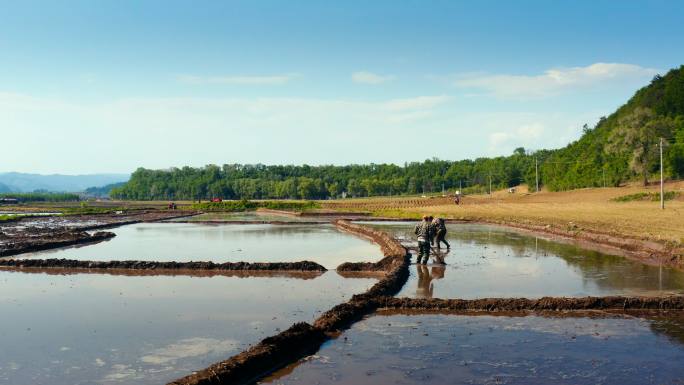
643	196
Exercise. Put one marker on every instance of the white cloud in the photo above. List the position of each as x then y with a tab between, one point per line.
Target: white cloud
237	80
523	135
419	102
555	80
365	77
213	130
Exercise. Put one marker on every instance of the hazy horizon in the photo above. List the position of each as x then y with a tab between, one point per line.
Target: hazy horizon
109	87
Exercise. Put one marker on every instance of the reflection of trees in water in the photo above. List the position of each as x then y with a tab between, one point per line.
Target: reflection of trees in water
425	277
608	272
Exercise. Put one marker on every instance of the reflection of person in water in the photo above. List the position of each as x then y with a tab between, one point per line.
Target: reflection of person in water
425	277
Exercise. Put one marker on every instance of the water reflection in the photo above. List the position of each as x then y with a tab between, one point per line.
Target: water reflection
184	242
488	349
425	277
110	329
487	261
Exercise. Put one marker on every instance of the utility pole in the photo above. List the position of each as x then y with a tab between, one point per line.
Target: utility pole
662	187
460	185
603	169
442	188
490	185
536	173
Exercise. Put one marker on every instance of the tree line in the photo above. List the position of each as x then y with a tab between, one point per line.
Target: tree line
236	181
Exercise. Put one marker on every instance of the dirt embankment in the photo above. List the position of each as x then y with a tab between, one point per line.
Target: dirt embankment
298	341
391	248
27	244
303	339
30	234
541	304
648	251
153	265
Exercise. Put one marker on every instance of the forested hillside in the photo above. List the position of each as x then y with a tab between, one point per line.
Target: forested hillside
620	148
624	146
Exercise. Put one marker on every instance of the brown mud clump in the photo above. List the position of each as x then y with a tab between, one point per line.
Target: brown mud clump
289	346
153	265
26	244
541	304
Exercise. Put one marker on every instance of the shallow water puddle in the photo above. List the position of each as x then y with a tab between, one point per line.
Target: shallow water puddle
486	349
109	329
184	242
487	261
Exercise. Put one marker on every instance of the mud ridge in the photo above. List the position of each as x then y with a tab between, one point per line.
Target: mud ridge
303	339
289	346
303	275
541	304
153	265
391	248
396	264
647	251
245	222
51	241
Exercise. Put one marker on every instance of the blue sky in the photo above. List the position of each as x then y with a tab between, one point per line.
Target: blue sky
109	86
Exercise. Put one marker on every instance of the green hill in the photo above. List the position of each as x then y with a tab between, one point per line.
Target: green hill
624	145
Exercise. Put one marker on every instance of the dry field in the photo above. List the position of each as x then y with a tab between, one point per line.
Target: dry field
590	209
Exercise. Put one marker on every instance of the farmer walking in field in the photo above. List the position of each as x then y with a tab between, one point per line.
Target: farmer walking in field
441	233
423	232
433	230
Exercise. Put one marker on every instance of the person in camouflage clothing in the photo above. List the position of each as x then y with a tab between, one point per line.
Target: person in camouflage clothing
423	231
440	232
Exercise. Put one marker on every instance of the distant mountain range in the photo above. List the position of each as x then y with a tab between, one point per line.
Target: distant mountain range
21	182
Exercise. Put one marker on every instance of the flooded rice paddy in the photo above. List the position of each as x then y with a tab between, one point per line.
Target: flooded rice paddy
115	329
64	327
487	349
183	242
488	261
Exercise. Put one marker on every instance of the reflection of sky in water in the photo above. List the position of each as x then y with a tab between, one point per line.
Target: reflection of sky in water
226	242
441	349
89	328
487	261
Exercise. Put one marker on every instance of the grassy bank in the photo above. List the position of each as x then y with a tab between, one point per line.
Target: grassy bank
245	205
593	209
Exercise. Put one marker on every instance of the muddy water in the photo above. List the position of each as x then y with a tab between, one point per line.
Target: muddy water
488	261
105	329
460	349
225	243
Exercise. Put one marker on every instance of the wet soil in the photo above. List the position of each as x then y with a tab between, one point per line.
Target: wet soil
30	234
64	271
26	243
488	349
303	339
299	340
546	303
152	265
